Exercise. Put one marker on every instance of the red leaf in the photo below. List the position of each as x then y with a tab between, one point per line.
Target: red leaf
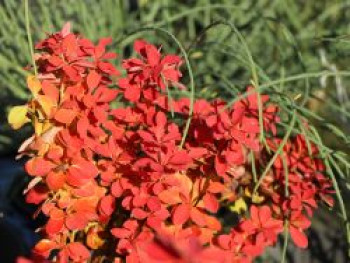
107	205
37	194
55	61
180	160
108	68
171	59
106	94
162	213
253	250
121	232
138	213
74	178
250	125
109	55
153	55
71	72
211	203
254	213
116	189
181	214
82	126
139	45
221	165
161	119
154	222
93	79
131	224
53	226
197	152
132	93
76	221
224	241
78	252
139	200
84	168
264	214
153	203
299	237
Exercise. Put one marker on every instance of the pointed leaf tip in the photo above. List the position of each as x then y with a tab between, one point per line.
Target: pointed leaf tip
66	29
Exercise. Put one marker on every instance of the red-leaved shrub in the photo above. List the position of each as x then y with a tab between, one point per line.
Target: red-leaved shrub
116	185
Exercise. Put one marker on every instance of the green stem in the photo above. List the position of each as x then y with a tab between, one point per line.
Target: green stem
278	152
285	242
30	42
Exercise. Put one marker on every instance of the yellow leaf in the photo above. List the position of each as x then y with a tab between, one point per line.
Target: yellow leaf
256	198
33	84
47	126
197	54
240	206
247	192
18	116
46	104
143	2
38	126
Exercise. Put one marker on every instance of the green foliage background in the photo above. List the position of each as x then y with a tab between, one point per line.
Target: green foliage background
294	50
285	38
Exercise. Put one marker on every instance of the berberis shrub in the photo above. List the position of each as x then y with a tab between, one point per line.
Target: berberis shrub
144	182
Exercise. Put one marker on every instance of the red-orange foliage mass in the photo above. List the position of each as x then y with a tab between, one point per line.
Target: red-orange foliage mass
114	183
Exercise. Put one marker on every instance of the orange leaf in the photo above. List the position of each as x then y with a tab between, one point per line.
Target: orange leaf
38	167
55	180
65	116
170	197
33	84
198	217
50	91
44	247
94	238
213	223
